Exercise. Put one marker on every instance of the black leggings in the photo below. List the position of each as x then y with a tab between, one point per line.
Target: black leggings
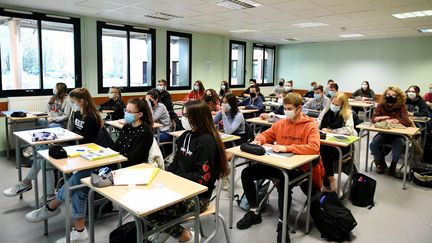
329	155
260	171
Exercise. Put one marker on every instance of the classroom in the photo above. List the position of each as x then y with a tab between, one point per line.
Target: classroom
216	121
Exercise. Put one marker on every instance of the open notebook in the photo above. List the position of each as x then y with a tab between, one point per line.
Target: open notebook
269	151
99	154
141	176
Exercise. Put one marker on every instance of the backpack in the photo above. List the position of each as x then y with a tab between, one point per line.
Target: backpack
124	233
362	190
175	119
331	217
263	187
104	139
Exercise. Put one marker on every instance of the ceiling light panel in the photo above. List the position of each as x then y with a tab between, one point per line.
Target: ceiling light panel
351	35
237	4
407	15
309	25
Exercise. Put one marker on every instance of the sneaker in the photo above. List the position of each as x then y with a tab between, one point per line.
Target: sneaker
41	214
160	237
192	239
27	152
391	171
75	236
226	183
248	220
16	190
41	202
279	233
380	167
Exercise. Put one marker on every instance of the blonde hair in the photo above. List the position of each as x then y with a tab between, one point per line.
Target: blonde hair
294	99
345	107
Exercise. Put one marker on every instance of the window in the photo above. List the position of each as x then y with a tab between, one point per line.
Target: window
237	63
37	51
126	57
179	59
263	64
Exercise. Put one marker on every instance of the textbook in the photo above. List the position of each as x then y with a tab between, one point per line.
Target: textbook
77	150
141	176
99	154
342	138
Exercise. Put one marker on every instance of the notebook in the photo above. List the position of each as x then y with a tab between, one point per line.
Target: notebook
77	150
269	151
141	176
99	154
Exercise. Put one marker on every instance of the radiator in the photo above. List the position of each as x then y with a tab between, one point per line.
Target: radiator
30	104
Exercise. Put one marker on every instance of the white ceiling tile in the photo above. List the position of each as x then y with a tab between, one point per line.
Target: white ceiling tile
100	4
294	6
395	3
315	12
128	2
183	12
327	3
357	6
208	8
154	6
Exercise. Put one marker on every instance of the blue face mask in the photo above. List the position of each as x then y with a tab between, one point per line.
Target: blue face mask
331	93
75	107
317	96
129	118
335	108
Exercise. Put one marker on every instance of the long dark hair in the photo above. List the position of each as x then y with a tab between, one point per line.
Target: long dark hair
89	106
61	91
233	102
227	89
201	120
214	98
119	91
368	88
143	107
201	86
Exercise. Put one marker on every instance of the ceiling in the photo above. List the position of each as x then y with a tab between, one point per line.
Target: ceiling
272	21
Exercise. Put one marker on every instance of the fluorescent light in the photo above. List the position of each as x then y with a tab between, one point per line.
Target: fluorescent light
425	30
309	25
242	31
292	39
422	13
237	4
351	35
163	16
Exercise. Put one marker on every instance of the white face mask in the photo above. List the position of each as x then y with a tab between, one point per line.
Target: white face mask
287	88
160	88
312	88
75	107
55	91
280	101
364	86
111	95
185	123
196	88
412	95
335	108
290	114
223	87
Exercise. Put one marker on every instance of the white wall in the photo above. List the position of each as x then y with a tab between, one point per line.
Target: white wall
399	62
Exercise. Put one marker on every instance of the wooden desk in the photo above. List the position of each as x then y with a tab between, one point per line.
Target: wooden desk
282	163
271	97
63	135
126	198
424	121
11	121
406	133
365	105
67	166
247	111
119	125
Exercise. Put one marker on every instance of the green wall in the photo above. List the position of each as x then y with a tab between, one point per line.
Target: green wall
400	62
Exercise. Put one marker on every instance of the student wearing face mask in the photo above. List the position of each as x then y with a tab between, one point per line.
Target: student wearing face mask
335	118
296	134
201	158
160	115
232	118
115	103
364	93
327	88
277	111
288	87
415	104
318	103
310	94
252	82
212	100
197	92
254	101
164	95
334	87
280	87
392	109
136	137
224	89
59	107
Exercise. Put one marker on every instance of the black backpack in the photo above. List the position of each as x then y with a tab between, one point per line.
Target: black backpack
362	190
124	233
331	217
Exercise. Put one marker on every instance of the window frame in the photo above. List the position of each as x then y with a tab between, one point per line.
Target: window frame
128	28
230	63
264	47
168	59
39	18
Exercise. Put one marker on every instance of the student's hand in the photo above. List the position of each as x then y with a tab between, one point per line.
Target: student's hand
246	95
428	103
264	116
280	149
222	109
122	121
326	130
380	118
242	107
393	121
49	119
410	113
256	142
364	98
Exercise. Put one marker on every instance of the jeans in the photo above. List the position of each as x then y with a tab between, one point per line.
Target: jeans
164	137
49	175
78	196
377	148
259	171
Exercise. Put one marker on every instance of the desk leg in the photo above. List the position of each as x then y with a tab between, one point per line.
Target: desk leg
339	171
231	190
18	161
197	221
407	142
139	228
351	169
91	216
158	136
367	151
43	168
36	186
67	207
285	205
7	138
309	197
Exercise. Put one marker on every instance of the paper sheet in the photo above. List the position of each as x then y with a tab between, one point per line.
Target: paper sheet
135	176
144	200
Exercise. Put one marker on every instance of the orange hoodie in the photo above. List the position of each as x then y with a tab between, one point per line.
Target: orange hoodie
299	137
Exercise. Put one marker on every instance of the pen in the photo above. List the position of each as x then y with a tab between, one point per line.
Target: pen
80	150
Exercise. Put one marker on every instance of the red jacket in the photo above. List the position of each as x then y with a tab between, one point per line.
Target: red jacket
299	137
194	95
